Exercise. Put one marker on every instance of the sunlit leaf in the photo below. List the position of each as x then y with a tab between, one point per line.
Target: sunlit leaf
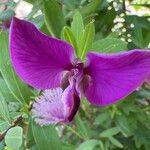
77	25
142	5
86	40
69	37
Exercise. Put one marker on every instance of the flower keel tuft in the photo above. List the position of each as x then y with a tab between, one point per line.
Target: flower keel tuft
55	106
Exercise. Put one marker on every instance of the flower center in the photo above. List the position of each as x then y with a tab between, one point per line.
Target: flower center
73	76
77	70
76	78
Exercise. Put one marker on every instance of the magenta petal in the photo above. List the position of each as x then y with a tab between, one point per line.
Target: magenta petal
38	59
55	106
72	101
114	76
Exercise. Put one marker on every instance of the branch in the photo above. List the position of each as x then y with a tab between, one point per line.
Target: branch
15	123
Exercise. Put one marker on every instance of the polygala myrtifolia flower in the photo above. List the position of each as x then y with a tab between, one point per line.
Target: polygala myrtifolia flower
49	64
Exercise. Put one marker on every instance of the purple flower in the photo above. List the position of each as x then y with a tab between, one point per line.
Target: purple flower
5	25
48	63
55	106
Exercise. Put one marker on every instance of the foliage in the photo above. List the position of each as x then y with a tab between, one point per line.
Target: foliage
86	25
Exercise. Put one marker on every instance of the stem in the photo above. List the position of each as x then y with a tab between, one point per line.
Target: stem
124	7
15	123
125	14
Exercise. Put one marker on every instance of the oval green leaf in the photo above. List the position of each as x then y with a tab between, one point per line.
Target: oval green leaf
69	37
77	25
14	138
86	40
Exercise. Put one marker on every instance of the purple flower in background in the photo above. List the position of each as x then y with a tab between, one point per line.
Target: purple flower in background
49	64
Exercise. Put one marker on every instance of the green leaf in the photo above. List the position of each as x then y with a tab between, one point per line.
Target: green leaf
101	145
141	136
109	45
38	21
34	147
2	145
138	39
68	147
77	25
86	40
123	125
102	118
14	138
20	91
104	21
141	31
110	132
114	34
115	142
90	8
144	93
142	5
44	29
4	112
69	37
46	137
54	18
4	125
7	14
88	145
82	128
6	92
30	139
